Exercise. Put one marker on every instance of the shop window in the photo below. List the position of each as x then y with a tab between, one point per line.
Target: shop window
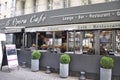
9	38
18	39
71	41
105	42
118	41
42	40
88	42
31	39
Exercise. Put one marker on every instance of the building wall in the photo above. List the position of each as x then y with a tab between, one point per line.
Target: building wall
31	6
7	8
11	8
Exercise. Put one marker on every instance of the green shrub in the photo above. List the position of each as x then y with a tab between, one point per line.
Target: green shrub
64	59
36	54
106	62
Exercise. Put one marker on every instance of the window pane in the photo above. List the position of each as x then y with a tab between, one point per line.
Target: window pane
105	42
88	42
118	41
9	38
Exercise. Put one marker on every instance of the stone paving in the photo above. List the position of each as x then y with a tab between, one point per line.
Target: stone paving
27	74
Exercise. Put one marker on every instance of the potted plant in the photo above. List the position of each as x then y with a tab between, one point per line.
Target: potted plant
64	65
35	60
106	63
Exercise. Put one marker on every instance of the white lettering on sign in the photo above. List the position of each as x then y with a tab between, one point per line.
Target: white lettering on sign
37	19
99	15
118	13
16	21
8	23
68	18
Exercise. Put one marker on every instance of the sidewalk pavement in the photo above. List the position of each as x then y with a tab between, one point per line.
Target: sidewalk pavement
27	74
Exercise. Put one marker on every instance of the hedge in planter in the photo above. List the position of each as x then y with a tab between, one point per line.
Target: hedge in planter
36	54
64	59
64	65
106	63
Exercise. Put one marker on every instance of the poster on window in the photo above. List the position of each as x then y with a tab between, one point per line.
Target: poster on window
11	53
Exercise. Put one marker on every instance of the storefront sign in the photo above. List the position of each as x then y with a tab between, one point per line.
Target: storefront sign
90	15
11	53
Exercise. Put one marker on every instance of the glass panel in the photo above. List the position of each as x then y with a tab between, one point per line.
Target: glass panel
71	41
31	39
77	42
88	42
105	42
49	39
42	40
9	38
18	39
118	41
58	41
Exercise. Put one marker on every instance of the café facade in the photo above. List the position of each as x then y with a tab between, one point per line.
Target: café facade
78	31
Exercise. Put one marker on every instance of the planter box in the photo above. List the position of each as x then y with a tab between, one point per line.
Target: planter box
105	74
35	65
64	70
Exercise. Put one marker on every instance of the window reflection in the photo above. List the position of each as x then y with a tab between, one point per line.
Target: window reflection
118	40
106	39
88	42
9	38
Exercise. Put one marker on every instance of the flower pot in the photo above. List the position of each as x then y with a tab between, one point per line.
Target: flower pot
35	65
64	70
105	74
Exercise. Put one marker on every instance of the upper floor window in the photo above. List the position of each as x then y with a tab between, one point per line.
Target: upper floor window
111	0
23	7
5	5
66	3
49	4
86	2
35	6
0	7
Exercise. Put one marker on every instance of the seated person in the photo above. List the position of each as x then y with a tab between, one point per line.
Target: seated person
33	47
91	51
102	50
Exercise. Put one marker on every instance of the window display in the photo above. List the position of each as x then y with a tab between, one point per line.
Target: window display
118	41
106	40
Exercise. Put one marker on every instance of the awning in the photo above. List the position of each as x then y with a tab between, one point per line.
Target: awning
13	29
88	26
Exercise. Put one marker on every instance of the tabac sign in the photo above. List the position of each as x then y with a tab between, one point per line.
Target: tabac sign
83	14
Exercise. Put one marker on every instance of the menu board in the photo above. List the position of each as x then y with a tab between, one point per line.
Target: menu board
11	53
